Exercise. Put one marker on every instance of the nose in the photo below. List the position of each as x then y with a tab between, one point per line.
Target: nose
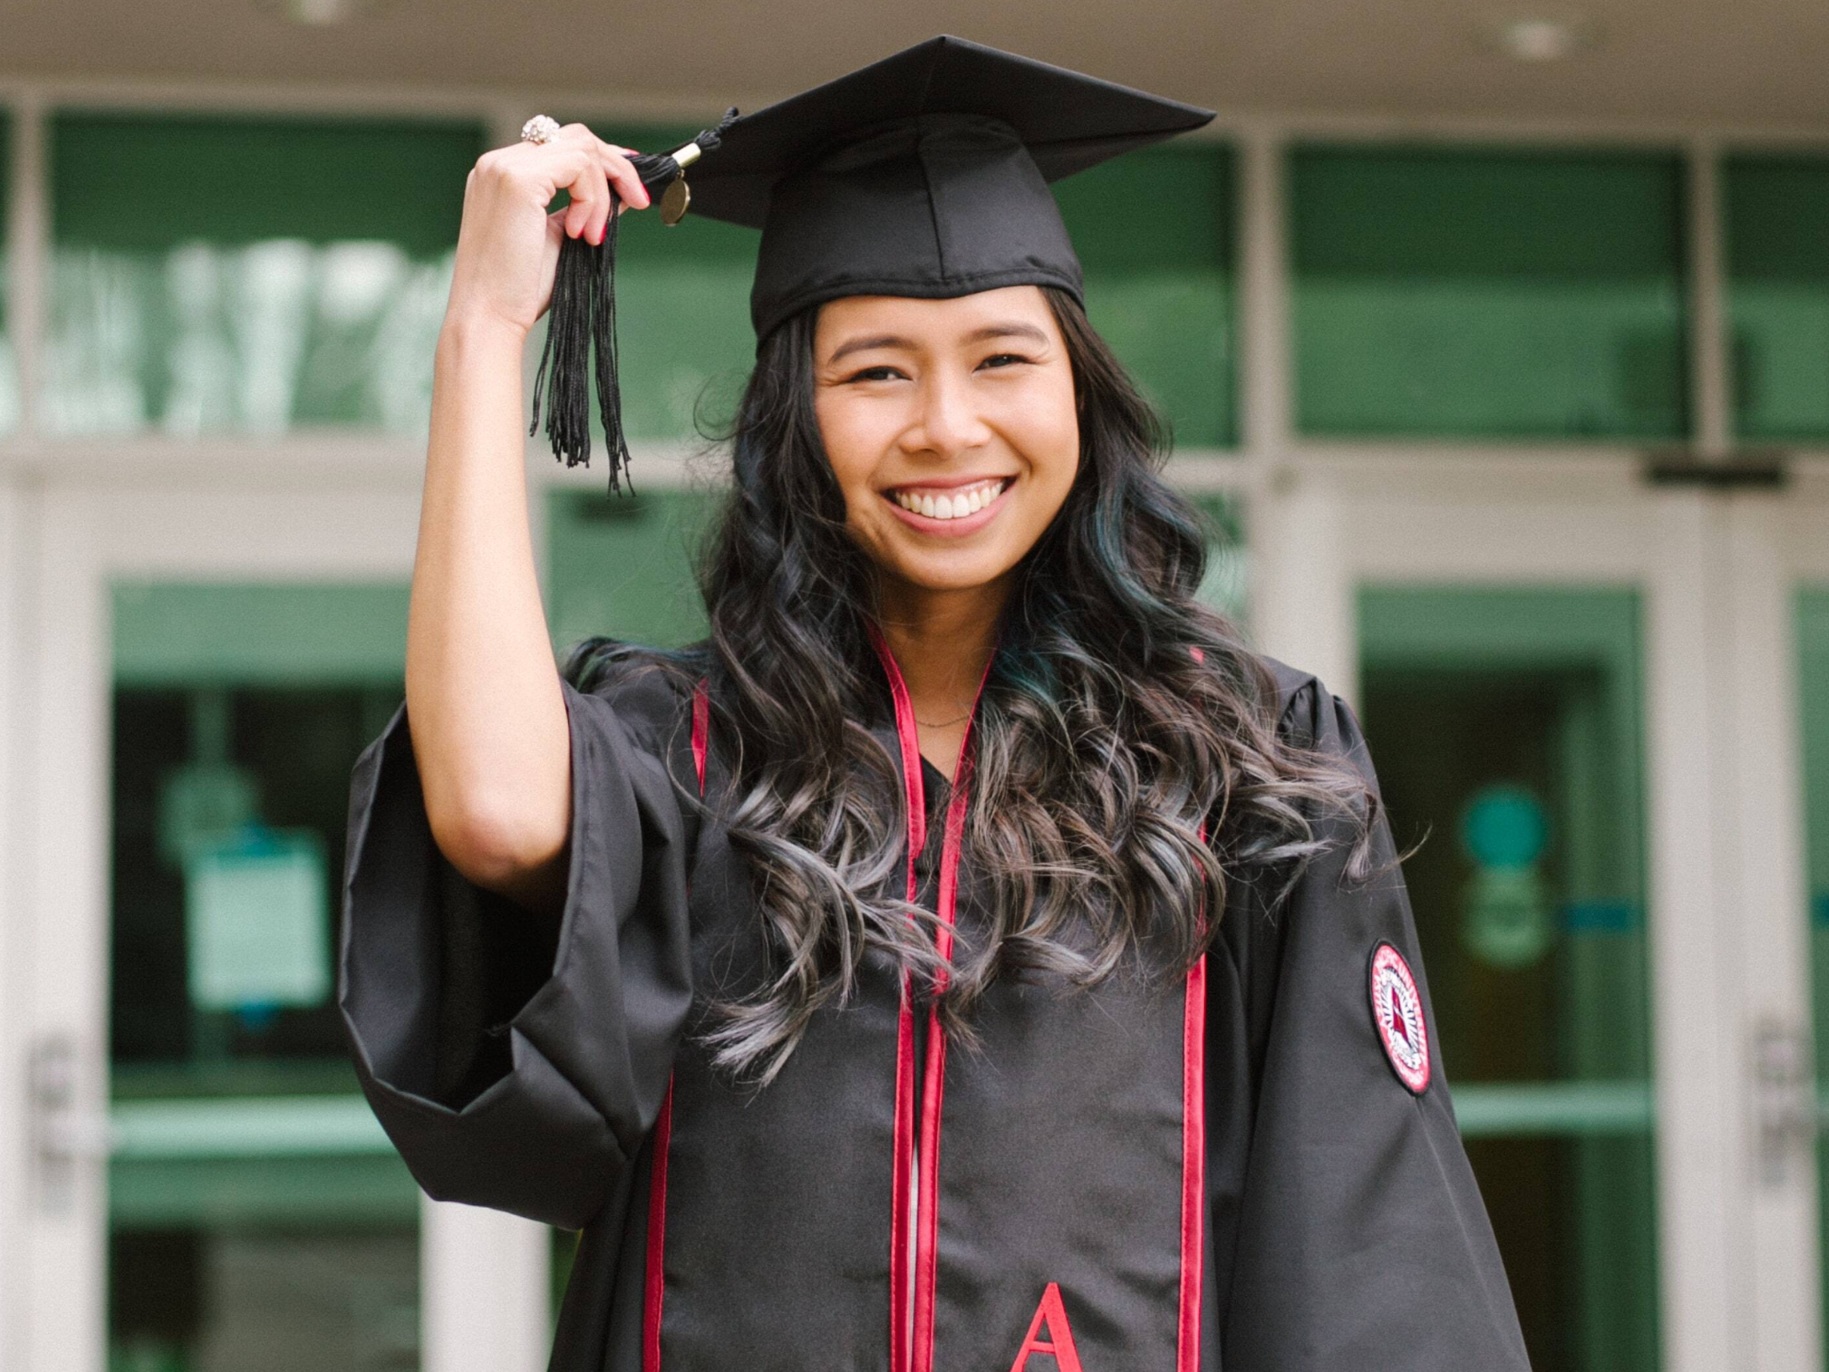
948	421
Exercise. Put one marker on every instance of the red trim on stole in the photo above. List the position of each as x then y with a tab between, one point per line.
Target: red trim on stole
1193	1165
933	1088
933	1092
655	1284
1193	1153
902	1200
654	1281
701	730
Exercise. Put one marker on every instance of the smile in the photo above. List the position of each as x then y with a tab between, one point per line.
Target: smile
958	502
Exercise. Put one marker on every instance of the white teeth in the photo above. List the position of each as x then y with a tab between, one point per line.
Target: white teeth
951	505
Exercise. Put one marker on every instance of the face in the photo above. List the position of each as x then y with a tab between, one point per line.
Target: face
952	428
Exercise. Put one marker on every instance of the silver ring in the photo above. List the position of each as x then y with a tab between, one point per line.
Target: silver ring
542	128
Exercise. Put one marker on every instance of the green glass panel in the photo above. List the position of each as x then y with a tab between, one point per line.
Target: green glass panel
1226	586
269	1289
1537	691
1153	230
1487	293
291	747
238	712
624	567
213	274
177	634
357	1188
1778	294
9	365
1813	698
139	181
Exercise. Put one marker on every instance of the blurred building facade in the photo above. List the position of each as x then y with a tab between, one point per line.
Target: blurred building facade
1516	433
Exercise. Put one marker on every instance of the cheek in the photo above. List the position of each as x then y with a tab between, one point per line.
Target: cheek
848	445
1053	443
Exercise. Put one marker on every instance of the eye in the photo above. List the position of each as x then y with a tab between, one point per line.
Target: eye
1003	360
882	373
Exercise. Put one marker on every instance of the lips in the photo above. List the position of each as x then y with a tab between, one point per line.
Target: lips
953	502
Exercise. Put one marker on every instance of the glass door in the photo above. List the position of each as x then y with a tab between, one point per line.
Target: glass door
258	1218
1506	728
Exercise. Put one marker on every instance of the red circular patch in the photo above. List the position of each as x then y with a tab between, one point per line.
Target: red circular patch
1397	1013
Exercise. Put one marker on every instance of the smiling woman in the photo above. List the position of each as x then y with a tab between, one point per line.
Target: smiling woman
960	958
951	429
962	416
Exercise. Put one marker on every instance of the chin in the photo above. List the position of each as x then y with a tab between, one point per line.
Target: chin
924	575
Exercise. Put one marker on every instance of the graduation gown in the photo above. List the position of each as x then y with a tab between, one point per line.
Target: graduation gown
1255	1168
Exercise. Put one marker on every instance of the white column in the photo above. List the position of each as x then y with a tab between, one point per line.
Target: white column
62	956
1729	947
484	1291
14	1145
1304	594
1760	810
1302	590
1703	1264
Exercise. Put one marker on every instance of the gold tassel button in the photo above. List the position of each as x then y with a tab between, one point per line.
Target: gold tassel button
675	201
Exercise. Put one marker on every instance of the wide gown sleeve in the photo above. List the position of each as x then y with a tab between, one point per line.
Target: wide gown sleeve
515	1062
1361	1239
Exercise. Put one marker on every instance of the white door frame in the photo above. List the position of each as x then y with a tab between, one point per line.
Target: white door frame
65	540
1727	919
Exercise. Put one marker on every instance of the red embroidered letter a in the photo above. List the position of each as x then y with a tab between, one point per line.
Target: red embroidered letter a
1059	1344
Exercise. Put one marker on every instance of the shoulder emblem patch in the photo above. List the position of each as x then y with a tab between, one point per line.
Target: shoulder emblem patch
1397	1014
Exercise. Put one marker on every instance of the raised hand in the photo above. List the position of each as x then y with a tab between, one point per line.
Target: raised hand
508	245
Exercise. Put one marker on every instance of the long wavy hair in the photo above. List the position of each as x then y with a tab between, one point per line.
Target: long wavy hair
1126	767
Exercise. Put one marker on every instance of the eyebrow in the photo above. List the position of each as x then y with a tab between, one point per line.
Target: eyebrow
1011	329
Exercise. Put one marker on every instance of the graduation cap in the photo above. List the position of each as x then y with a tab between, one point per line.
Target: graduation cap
925	174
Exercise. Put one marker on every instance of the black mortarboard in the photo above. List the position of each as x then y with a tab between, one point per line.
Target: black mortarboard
925	174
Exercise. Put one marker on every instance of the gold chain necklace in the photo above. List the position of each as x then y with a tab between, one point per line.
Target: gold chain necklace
942	723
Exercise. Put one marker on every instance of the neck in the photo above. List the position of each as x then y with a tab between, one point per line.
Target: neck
942	641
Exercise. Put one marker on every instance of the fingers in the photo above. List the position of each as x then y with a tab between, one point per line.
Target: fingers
602	168
623	176
597	176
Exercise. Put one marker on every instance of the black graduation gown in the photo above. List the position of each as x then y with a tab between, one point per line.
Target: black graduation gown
1257	1170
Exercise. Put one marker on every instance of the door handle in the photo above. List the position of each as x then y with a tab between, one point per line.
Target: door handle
1784	1100
64	1134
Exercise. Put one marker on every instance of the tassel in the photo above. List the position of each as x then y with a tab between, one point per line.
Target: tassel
582	319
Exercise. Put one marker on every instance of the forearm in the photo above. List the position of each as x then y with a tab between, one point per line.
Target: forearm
487	715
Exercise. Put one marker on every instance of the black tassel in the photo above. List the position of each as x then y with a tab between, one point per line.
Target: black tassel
583	318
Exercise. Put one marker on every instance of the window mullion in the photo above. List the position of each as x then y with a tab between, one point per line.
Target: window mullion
1711	399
